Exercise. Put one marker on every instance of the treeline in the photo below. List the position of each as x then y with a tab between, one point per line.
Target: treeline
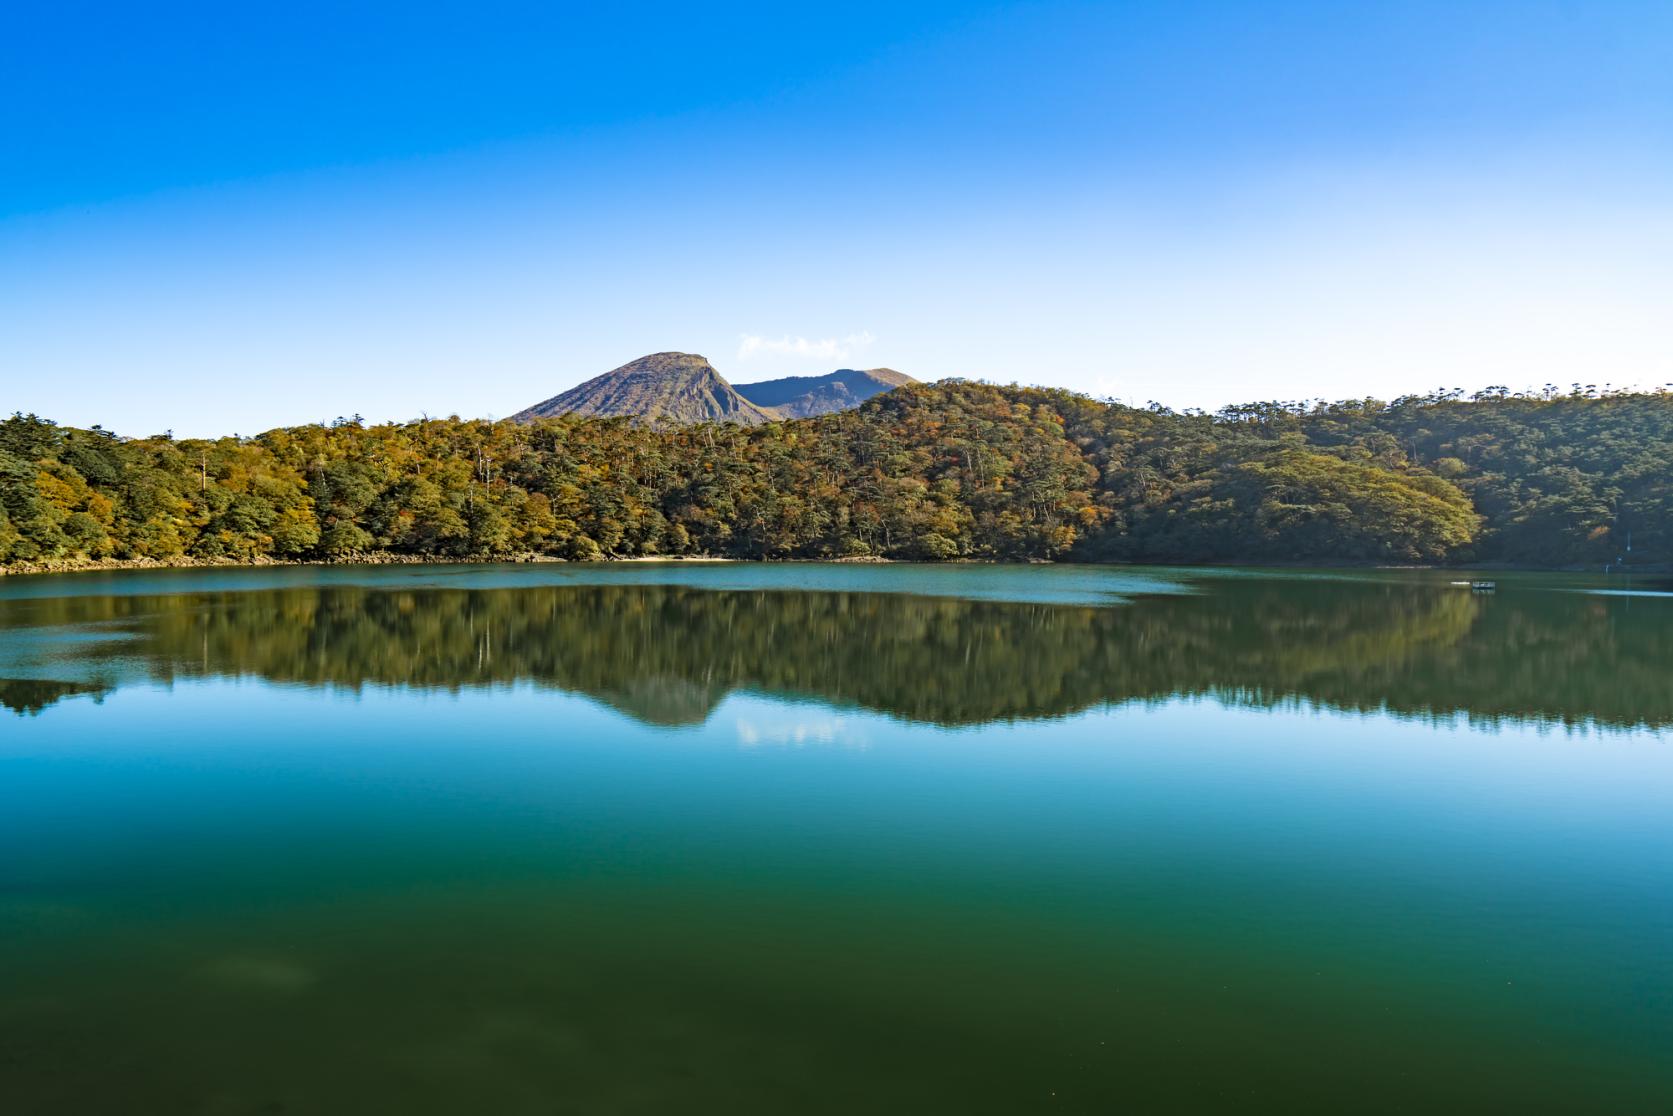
933	471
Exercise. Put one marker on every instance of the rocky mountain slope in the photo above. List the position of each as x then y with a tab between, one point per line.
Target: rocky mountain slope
656	389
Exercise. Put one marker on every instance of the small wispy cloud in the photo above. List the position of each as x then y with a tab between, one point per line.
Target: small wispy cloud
838	731
826	348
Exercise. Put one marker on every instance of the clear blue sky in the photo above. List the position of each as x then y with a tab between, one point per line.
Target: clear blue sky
227	217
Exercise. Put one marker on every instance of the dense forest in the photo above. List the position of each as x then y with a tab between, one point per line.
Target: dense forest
928	471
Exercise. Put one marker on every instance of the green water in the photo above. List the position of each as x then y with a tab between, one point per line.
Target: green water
787	839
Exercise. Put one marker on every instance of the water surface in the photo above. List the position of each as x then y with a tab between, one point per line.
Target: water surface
833	839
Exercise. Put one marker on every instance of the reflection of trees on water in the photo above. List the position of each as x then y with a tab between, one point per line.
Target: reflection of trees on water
670	654
31	695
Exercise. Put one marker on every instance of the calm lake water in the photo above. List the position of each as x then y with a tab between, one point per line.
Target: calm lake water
846	839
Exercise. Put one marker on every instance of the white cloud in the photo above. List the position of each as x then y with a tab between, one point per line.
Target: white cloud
825	348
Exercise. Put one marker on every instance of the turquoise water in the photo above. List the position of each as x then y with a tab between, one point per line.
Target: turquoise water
832	839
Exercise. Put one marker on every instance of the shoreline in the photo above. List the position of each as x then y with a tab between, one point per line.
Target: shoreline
184	562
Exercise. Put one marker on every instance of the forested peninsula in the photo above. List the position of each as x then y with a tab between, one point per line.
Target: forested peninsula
950	470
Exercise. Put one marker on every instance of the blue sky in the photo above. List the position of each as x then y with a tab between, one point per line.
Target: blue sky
222	218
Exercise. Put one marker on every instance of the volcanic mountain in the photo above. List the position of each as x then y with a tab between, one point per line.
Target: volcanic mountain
684	387
806	396
660	388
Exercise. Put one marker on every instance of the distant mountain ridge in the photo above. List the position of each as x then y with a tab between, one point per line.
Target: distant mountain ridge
677	388
806	396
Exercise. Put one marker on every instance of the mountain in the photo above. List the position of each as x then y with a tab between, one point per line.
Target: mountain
677	388
805	396
660	388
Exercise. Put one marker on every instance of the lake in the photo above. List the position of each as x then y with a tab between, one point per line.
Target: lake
834	838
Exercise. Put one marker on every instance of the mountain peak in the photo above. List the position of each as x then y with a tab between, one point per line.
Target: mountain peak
659	388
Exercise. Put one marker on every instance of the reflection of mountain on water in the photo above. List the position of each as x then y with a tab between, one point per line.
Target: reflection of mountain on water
669	654
663	700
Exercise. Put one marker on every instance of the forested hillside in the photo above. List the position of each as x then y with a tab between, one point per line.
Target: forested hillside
930	471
